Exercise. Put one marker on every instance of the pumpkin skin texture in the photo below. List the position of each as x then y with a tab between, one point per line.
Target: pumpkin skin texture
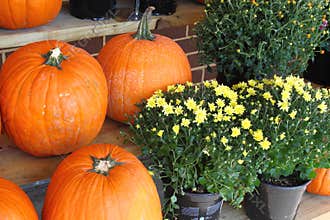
136	68
14	203
28	13
52	110
321	184
125	191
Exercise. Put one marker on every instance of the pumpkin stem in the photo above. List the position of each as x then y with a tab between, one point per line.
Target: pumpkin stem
143	32
54	58
103	165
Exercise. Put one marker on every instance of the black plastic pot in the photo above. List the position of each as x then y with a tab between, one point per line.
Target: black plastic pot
318	71
270	202
92	9
162	7
205	206
158	182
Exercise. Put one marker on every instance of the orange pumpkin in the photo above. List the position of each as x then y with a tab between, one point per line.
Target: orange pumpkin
14	203
52	101
321	184
136	65
101	181
28	13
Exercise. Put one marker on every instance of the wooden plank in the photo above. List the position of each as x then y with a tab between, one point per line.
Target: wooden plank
22	168
68	28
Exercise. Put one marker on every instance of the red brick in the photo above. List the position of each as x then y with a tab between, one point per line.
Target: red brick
91	45
188	45
194	60
174	32
197	76
211	74
191	30
107	38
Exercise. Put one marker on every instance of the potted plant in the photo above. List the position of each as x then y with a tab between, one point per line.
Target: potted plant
198	140
251	39
296	119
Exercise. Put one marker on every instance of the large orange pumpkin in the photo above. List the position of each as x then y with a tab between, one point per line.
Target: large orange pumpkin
14	203
102	182
321	184
52	101
27	13
138	64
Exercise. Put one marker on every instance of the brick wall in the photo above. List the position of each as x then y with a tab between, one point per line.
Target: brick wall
183	35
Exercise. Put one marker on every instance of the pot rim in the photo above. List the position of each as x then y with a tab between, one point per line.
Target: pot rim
208	195
288	187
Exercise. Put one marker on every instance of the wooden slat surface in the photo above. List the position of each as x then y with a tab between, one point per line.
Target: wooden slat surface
22	168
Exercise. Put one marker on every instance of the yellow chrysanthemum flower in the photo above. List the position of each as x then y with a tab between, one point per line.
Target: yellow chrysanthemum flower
176	129
258	135
185	122
278	81
153	129
189	84
212	107
293	114
245	153
191	104
207	138
207	84
229	110
251	91
240	161
267	96
160	102
224	140
218	116
239	109
213	134
228	148
284	106
260	86
200	115
235	132
171	88
214	83
159	93
168	109
246	124
265	144
178	110
322	107
160	133
177	101
277	120
221	103
180	88
286	94
254	111
137	126
307	96
252	82
151	103
282	135
318	95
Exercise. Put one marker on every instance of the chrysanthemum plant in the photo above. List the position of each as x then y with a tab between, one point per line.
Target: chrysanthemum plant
199	140
294	117
251	39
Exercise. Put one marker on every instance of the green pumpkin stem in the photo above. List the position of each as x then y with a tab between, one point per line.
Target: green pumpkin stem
54	58
103	165
143	32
